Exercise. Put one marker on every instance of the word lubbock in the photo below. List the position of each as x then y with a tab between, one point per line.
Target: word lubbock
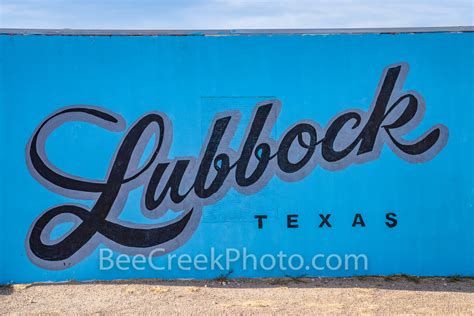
187	184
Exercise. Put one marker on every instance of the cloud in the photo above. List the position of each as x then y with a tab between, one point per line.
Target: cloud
232	14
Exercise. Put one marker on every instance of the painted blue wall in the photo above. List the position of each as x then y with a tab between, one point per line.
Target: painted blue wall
191	78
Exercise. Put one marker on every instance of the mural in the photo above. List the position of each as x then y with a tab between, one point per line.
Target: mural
189	183
226	154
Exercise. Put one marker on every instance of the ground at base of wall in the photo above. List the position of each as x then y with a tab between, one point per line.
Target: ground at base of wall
400	294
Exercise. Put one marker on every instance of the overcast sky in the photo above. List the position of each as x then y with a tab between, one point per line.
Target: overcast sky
232	14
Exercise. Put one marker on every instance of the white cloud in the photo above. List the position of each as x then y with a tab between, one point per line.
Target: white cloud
225	14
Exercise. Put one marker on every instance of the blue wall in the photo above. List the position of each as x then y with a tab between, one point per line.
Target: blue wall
192	78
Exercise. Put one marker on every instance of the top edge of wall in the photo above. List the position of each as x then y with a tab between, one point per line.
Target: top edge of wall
237	32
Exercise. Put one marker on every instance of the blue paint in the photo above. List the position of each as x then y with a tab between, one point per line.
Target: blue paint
191	79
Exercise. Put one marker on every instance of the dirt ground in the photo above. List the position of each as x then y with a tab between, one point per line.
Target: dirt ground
402	294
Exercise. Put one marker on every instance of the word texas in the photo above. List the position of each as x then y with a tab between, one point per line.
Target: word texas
187	184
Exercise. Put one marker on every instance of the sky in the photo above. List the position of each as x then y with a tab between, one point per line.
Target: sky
233	14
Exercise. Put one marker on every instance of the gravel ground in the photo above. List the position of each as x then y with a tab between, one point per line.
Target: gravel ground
289	296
